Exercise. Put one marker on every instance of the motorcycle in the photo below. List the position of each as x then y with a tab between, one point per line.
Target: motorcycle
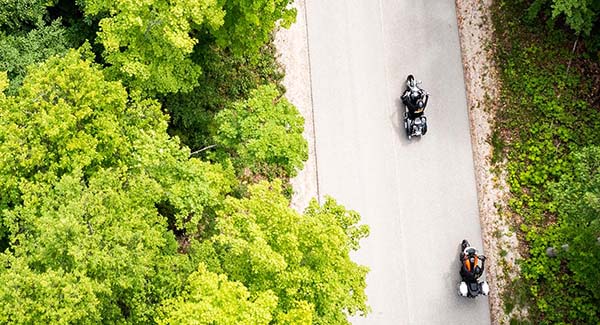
470	286
415	123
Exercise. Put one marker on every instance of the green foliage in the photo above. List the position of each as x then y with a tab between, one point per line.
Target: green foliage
577	197
148	43
265	247
262	134
18	51
105	218
225	78
304	259
4	81
54	127
249	24
22	14
579	15
54	296
98	244
210	298
543	119
82	171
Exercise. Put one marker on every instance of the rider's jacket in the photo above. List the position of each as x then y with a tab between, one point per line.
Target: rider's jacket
471	271
411	103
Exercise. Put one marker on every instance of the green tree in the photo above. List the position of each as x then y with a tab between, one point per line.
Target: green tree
210	298
18	15
53	296
105	218
249	24
304	259
148	43
68	118
84	172
262	134
18	51
577	198
579	15
225	78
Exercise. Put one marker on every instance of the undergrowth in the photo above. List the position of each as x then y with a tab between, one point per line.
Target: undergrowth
546	114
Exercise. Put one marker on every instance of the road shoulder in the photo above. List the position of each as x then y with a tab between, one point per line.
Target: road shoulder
293	55
500	244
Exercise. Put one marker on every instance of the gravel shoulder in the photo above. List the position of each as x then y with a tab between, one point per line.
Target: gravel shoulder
482	85
292	48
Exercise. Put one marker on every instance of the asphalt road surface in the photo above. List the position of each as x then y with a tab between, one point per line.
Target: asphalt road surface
419	196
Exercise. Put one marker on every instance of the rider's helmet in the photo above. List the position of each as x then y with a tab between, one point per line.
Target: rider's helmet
471	258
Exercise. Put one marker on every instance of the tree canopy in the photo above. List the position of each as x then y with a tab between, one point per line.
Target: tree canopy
107	218
17	14
211	298
579	15
263	134
19	51
83	170
295	267
148	44
248	24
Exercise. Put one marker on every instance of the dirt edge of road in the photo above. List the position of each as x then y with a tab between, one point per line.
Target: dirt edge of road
293	55
482	90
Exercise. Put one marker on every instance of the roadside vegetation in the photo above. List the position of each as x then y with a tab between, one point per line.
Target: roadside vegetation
146	149
547	137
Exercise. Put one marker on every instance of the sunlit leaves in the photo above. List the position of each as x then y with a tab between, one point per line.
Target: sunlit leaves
211	298
263	133
105	218
148	43
18	51
249	24
304	259
83	168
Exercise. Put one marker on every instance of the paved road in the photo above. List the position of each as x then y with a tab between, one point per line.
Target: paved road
417	196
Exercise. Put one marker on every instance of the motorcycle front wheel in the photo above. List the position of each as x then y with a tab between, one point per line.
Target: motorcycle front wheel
410	81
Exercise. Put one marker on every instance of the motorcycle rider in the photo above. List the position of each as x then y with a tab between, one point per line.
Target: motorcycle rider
471	270
415	98
472	267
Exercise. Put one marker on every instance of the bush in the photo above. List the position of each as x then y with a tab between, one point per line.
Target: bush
544	118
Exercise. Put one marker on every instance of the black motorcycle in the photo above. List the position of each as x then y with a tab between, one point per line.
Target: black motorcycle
470	286
414	99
